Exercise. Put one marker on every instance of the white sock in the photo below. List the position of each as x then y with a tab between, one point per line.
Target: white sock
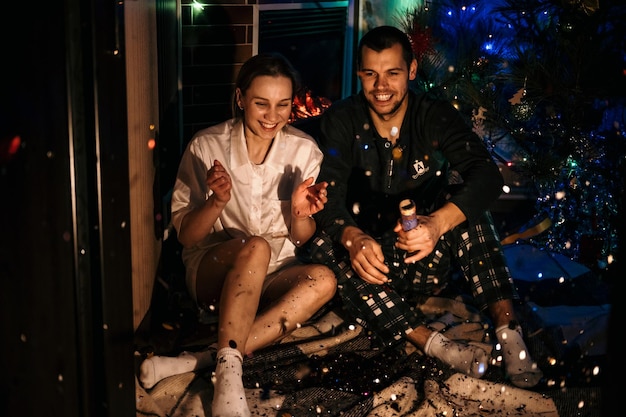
520	368
229	395
469	359
155	368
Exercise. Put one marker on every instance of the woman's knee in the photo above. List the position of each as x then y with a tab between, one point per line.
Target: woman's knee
326	283
256	246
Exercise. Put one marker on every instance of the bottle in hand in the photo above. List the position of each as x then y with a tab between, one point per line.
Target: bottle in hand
408	214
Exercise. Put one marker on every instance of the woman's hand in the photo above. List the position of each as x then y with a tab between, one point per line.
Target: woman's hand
308	198
199	222
218	181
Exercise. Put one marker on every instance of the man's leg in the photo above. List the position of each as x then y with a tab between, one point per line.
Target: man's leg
388	315
484	266
427	277
520	368
378	307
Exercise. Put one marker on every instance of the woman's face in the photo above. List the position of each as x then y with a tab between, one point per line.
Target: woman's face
266	106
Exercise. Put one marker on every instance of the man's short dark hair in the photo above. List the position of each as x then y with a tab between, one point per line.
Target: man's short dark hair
384	37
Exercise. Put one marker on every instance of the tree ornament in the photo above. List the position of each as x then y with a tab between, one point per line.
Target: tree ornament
421	40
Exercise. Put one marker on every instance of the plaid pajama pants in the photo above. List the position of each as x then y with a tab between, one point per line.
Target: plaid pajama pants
392	310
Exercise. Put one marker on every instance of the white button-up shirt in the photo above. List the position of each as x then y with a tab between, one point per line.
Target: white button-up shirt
260	201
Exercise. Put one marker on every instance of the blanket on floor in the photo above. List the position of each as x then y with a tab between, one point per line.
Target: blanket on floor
332	367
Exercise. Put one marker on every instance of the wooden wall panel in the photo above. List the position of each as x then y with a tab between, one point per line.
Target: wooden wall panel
142	92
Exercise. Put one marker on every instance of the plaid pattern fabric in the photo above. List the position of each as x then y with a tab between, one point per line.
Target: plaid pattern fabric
392	310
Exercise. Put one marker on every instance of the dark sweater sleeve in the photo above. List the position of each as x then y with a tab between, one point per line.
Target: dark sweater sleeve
336	142
466	153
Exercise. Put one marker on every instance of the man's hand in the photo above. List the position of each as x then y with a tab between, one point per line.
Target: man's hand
366	256
421	241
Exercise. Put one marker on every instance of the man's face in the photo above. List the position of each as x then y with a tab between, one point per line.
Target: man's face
385	80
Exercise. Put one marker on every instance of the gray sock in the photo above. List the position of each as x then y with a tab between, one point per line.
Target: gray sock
471	360
519	366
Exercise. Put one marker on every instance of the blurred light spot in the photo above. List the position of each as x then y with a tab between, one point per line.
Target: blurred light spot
14	146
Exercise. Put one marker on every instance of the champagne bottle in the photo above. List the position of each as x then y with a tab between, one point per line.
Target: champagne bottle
408	214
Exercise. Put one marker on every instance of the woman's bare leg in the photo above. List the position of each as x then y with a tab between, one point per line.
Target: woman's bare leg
293	297
238	305
236	270
241	292
217	263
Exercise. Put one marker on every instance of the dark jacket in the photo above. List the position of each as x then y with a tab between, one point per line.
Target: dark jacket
367	182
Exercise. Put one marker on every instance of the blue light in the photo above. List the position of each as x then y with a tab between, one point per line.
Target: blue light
481	368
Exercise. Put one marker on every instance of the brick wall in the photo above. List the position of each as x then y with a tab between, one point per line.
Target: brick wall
216	39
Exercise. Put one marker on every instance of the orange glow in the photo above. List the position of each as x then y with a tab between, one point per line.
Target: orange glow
305	105
151	143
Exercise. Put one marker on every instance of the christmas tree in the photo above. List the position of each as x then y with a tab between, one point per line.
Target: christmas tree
543	82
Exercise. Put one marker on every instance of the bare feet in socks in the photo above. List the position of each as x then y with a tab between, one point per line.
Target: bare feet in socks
521	370
472	360
229	395
155	368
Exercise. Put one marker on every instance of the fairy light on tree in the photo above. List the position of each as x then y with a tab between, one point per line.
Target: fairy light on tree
515	69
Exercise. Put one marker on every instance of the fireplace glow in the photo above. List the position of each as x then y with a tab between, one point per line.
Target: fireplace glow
305	105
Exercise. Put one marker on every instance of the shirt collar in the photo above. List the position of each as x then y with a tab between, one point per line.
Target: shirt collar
239	154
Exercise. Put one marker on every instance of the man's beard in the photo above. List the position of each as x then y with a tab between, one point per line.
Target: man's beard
391	112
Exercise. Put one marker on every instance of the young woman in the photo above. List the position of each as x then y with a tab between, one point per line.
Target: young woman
242	203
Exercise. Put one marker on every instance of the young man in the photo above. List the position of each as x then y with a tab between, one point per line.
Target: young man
386	144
